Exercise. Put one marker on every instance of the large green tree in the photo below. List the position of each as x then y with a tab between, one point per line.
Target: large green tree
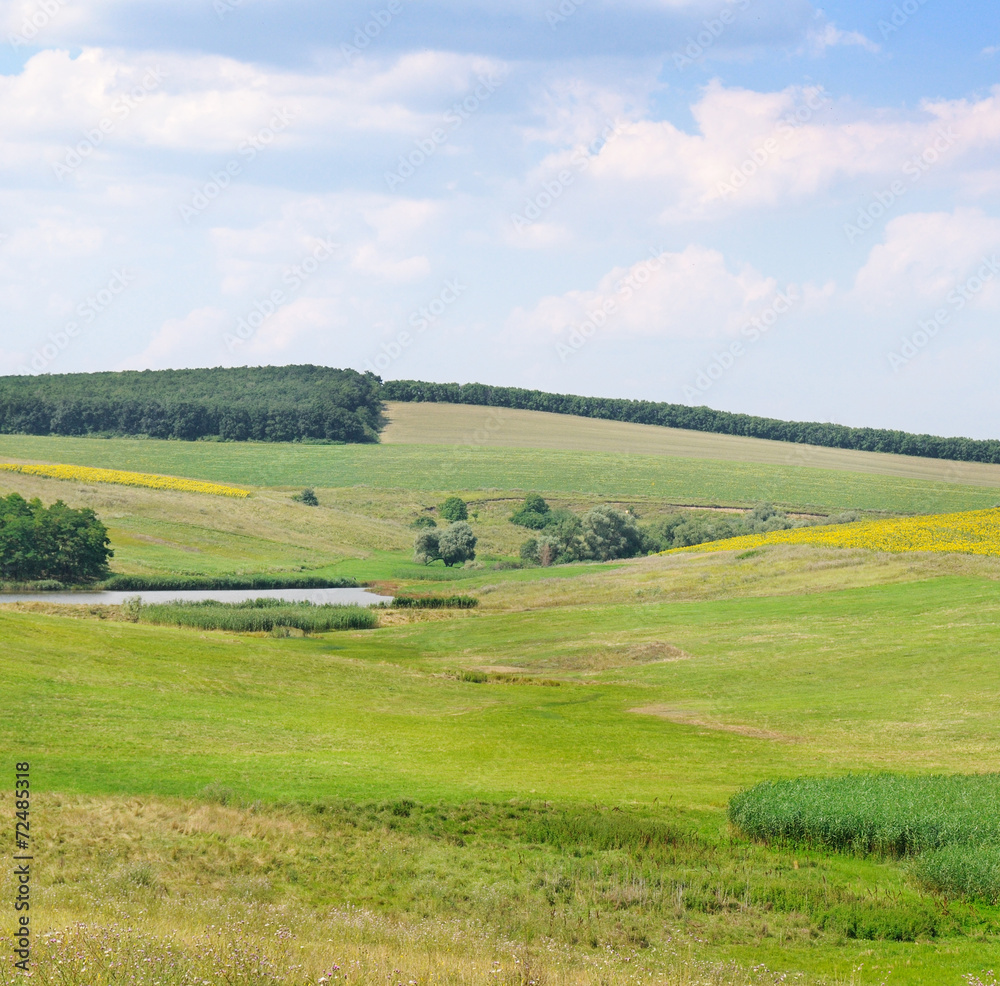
56	542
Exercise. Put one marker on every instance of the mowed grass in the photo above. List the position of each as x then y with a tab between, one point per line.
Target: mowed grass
448	424
441	469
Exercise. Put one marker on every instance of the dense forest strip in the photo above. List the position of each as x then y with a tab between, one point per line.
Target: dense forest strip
316	403
267	403
698	419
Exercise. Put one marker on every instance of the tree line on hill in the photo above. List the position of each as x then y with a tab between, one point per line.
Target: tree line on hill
265	404
698	419
321	404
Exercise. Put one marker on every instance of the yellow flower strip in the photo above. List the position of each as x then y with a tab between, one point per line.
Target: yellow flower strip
975	532
149	480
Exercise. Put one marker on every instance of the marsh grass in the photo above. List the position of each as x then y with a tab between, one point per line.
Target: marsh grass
259	616
947	823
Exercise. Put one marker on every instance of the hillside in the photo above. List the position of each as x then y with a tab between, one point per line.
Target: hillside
460	424
538	785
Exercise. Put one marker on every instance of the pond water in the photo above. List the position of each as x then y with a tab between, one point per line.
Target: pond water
342	597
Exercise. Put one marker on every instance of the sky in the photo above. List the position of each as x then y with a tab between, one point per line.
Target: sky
761	206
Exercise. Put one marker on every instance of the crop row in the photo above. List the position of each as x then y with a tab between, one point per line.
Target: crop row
975	532
87	474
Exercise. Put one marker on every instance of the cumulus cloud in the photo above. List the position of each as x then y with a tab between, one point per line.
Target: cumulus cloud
754	149
688	295
925	255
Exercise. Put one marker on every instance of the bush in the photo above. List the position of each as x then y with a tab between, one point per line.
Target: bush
534	513
308	497
423	521
131	609
457	544
454	509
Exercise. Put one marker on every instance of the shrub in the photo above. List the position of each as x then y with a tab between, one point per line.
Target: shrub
454	509
308	497
423	521
131	609
534	513
457	544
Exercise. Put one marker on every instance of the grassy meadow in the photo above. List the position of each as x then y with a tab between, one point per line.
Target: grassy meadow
532	791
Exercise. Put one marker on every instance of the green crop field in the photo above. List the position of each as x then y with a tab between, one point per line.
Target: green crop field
532	791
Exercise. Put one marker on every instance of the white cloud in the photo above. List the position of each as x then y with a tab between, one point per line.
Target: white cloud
213	104
924	256
688	295
754	149
831	36
195	340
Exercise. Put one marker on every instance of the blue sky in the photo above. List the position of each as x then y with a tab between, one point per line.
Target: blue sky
759	205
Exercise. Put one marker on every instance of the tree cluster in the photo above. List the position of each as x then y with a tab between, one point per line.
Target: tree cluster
601	534
454	545
605	533
698	419
56	542
265	403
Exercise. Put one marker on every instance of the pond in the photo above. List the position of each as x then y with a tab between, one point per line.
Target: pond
341	597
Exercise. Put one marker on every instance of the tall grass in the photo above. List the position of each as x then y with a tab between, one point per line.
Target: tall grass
872	814
183	583
948	824
259	616
433	602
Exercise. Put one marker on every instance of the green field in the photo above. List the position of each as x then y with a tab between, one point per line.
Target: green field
532	791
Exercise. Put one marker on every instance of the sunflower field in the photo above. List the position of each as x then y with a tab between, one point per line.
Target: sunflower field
86	474
975	532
